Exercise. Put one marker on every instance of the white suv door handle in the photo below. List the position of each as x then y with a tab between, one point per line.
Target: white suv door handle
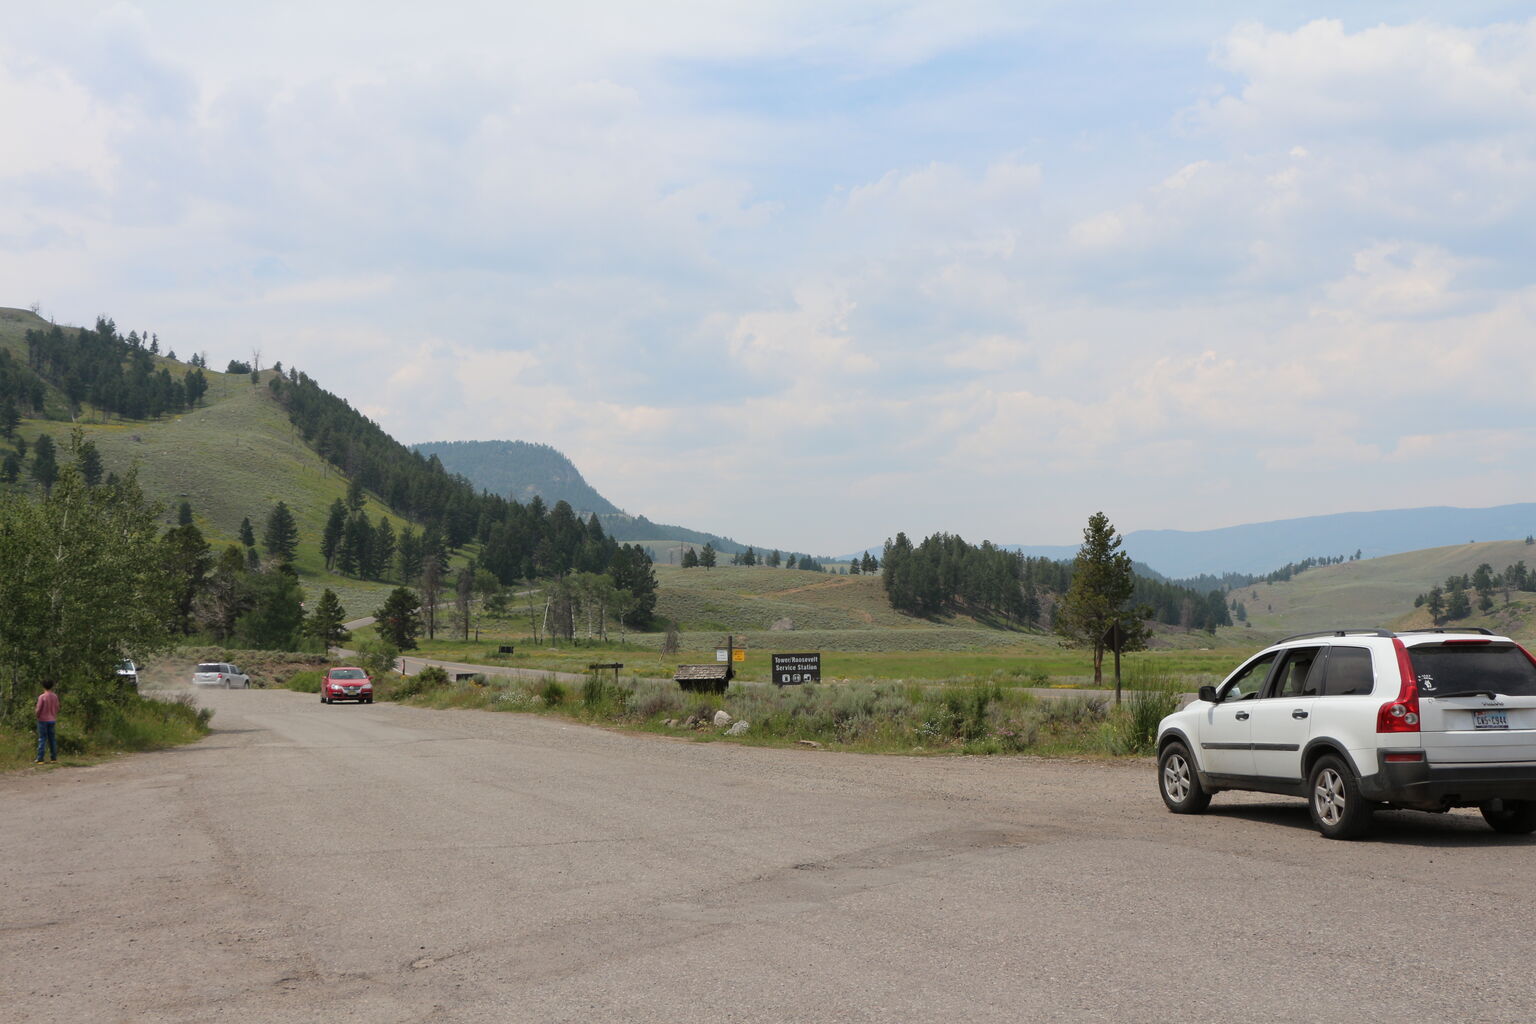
1298	713
1242	716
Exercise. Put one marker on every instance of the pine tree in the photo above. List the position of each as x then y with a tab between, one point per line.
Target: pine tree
89	460
45	466
690	559
335	525
1099	595
10	419
631	572
247	534
187	561
276	615
408	554
399	618
195	385
281	536
325	623
383	549
707	556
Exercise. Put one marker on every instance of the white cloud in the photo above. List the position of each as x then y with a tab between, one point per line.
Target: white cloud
870	246
1401	83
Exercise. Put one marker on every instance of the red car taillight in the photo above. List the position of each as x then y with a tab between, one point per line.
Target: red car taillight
1401	715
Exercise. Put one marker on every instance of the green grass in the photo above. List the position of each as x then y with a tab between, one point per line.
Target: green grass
879	718
969	656
755	598
305	681
138	724
1379	591
236	456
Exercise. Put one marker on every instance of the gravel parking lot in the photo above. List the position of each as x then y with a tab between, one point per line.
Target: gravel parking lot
384	863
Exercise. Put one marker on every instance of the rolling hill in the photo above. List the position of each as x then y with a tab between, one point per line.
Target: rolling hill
235	456
1380	591
1259	548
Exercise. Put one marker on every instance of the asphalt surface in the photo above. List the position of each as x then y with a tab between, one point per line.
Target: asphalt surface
383	863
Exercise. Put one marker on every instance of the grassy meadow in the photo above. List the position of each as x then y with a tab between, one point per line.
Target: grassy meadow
846	618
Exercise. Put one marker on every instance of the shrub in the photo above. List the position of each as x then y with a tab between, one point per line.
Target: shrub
377	655
655	701
1073	713
1156	696
430	678
602	696
305	681
552	692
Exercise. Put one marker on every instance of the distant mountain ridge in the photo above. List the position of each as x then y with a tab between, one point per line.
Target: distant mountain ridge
519	470
522	469
1263	547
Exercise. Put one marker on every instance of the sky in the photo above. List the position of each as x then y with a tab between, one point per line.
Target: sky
811	273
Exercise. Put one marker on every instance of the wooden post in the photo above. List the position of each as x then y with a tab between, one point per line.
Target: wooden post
1114	639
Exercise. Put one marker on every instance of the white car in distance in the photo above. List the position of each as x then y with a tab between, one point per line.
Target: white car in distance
219	673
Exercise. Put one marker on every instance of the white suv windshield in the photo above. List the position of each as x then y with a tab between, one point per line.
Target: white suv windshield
1447	669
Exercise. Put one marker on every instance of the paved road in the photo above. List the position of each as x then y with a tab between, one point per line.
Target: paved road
383	863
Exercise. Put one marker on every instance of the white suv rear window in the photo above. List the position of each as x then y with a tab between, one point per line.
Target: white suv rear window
1447	669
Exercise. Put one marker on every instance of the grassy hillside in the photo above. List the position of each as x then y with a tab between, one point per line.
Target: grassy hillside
1375	591
741	598
235	456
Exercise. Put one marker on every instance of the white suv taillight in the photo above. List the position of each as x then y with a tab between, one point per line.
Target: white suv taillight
1402	714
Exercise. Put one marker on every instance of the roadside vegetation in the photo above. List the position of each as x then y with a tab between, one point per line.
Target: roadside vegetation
82	578
128	724
976	718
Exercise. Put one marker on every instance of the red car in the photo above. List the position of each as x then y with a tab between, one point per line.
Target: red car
346	684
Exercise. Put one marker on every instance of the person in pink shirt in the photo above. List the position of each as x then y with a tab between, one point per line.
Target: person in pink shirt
47	722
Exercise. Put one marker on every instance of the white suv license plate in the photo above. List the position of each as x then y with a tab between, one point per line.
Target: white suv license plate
1490	720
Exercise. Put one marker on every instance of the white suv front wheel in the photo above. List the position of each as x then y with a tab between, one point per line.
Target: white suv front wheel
1178	781
1338	809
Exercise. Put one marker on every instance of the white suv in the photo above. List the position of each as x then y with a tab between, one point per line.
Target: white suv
1353	720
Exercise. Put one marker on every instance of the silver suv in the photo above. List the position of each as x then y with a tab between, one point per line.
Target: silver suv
1353	720
219	673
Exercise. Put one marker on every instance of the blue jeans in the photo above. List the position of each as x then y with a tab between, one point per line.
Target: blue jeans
46	735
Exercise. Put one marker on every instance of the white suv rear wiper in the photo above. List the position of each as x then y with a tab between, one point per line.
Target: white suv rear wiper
1465	693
